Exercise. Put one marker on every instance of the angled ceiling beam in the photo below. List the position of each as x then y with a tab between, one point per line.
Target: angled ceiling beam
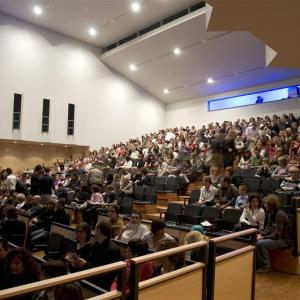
275	22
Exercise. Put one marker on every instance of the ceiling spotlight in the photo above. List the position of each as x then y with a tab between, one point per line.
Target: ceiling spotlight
210	80
166	91
132	67
37	10
135	6
177	51
92	31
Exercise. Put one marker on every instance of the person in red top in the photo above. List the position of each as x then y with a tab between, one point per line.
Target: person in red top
136	247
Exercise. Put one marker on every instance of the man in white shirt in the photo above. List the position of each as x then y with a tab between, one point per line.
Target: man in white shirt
207	192
11	180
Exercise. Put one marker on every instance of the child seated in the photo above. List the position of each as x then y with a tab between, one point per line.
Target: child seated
242	198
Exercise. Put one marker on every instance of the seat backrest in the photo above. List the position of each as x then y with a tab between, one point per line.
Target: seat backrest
270	185
210	213
150	194
173	213
151	179
195	195
232	215
160	182
252	184
172	184
189	214
139	192
54	242
126	206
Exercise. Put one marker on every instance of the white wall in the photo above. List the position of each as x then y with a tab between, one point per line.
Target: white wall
42	64
195	111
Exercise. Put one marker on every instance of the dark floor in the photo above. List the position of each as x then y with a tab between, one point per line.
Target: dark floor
277	286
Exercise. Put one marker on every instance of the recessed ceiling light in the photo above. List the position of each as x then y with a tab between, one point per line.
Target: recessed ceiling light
177	51
132	67
136	7
92	31
37	10
210	80
166	91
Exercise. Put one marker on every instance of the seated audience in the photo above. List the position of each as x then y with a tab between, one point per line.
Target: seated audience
207	192
283	169
41	235
245	161
20	200
11	227
292	183
82	247
242	198
89	208
110	196
103	251
276	234
20	268
253	214
36	208
3	254
69	291
264	170
226	194
133	229
136	248
156	235
116	222
171	262
195	235
256	159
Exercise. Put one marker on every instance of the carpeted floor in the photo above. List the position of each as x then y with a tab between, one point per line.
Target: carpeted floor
277	286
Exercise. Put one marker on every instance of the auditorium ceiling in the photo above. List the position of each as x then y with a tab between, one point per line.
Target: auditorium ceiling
231	59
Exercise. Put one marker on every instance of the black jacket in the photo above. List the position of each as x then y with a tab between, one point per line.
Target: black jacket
46	184
102	254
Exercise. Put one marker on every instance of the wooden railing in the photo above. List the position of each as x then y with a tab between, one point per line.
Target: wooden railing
236	267
53	282
186	283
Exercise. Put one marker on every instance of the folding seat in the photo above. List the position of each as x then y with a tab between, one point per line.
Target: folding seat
270	185
230	217
252	184
151	179
150	194
210	213
160	182
126	206
195	195
191	214
139	192
173	213
172	184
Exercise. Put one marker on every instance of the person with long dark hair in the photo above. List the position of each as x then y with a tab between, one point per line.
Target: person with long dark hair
20	268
